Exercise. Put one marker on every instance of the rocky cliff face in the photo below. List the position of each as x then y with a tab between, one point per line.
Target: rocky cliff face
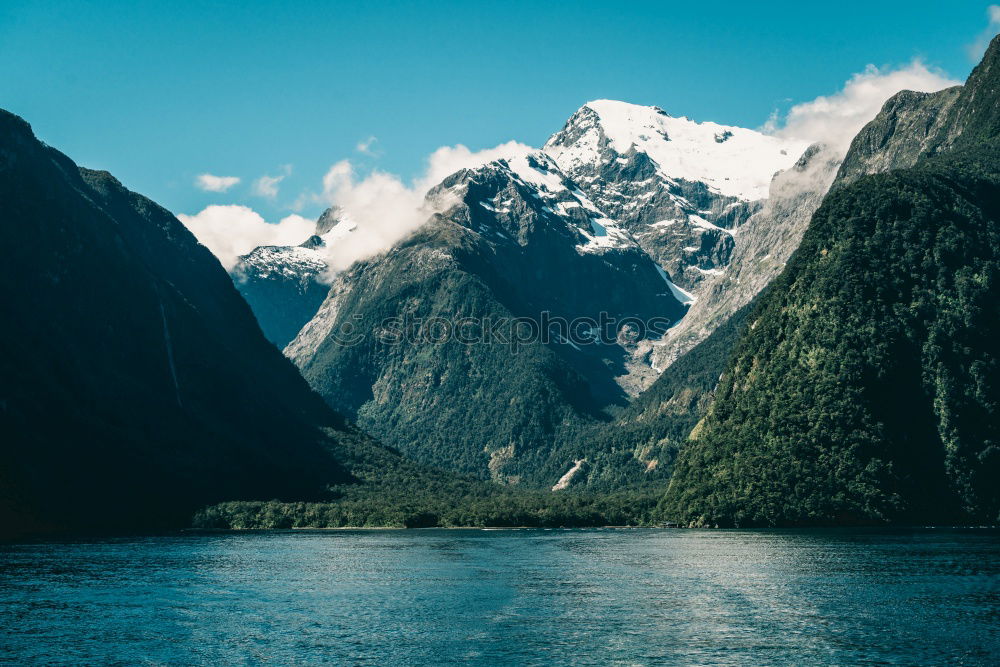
681	188
909	126
764	244
913	125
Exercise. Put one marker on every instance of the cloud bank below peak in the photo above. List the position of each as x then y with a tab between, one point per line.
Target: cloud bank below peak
232	230
836	119
383	207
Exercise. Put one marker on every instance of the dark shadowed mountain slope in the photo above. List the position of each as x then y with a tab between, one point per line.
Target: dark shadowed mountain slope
135	384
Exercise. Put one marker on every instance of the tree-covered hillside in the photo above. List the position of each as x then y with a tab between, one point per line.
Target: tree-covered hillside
866	388
637	448
444	402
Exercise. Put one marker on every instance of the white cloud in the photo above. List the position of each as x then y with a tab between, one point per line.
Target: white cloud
978	47
836	119
365	147
231	231
210	183
384	208
267	186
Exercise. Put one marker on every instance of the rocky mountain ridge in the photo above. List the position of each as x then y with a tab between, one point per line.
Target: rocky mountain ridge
682	188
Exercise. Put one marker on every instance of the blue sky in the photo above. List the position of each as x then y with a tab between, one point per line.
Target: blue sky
159	92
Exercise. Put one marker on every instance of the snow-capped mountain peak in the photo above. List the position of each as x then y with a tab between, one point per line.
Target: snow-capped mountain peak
284	284
732	161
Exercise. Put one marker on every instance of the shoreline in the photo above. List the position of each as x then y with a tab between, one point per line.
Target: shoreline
99	535
865	528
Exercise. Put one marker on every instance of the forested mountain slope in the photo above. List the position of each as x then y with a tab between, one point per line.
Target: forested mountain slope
865	388
638	447
618	212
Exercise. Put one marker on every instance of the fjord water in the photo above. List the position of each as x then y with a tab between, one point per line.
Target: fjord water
587	597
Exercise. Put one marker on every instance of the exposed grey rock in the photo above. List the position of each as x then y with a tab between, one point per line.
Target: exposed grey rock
683	225
909	125
761	249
